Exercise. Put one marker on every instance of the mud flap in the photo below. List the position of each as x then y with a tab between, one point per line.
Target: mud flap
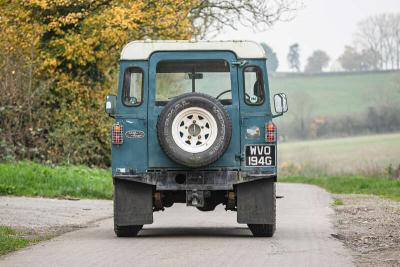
133	203
256	202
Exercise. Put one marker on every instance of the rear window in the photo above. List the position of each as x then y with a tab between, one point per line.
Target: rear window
253	86
133	86
210	77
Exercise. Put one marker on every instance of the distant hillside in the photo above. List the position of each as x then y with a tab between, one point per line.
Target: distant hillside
335	94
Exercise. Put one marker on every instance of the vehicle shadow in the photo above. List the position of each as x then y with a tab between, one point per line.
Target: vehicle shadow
195	232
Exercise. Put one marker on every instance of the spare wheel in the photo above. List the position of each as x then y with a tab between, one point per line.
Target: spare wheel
194	130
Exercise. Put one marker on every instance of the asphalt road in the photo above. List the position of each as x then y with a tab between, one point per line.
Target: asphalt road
51	216
183	236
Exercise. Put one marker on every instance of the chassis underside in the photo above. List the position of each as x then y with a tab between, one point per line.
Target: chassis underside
137	196
194	180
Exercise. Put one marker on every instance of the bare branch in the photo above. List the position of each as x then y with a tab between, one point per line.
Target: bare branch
211	16
380	35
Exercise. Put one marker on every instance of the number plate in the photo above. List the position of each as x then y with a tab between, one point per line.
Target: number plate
260	155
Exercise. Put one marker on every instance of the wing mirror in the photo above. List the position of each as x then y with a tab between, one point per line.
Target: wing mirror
280	103
111	101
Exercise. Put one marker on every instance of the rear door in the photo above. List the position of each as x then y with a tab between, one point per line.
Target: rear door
255	112
160	94
131	115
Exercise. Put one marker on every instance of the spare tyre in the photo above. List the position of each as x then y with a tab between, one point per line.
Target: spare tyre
194	130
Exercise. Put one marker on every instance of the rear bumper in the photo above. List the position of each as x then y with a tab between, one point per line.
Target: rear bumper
195	180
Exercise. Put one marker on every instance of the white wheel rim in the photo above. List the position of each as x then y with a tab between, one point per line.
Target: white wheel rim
194	130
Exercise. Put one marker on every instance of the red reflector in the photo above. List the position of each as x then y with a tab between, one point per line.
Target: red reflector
270	132
117	134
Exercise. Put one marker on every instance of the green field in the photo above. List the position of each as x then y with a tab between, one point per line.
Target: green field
362	155
337	94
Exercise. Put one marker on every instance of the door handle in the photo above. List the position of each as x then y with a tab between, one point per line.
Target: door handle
239	63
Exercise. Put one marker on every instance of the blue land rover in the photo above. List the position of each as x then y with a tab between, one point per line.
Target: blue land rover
193	124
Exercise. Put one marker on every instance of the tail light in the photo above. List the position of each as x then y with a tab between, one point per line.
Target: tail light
270	132
117	134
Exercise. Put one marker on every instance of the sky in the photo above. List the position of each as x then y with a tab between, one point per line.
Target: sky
328	25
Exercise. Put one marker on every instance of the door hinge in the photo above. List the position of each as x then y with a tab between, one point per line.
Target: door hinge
239	63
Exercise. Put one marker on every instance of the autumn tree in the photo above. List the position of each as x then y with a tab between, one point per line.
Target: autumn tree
19	86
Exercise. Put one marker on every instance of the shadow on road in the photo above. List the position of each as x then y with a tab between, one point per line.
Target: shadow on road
195	232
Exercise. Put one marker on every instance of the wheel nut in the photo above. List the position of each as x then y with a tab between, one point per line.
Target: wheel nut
194	121
199	137
189	137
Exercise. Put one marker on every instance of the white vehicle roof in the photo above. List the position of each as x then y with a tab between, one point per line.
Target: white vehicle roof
141	50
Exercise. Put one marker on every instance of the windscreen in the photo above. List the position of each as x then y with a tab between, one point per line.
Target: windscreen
210	77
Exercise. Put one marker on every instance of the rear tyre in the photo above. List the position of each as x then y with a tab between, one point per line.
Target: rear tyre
127	231
262	230
256	206
132	207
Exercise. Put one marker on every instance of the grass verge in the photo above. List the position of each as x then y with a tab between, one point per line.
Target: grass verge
383	187
11	239
337	202
32	179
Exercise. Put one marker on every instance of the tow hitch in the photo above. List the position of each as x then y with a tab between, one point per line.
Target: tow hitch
195	198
